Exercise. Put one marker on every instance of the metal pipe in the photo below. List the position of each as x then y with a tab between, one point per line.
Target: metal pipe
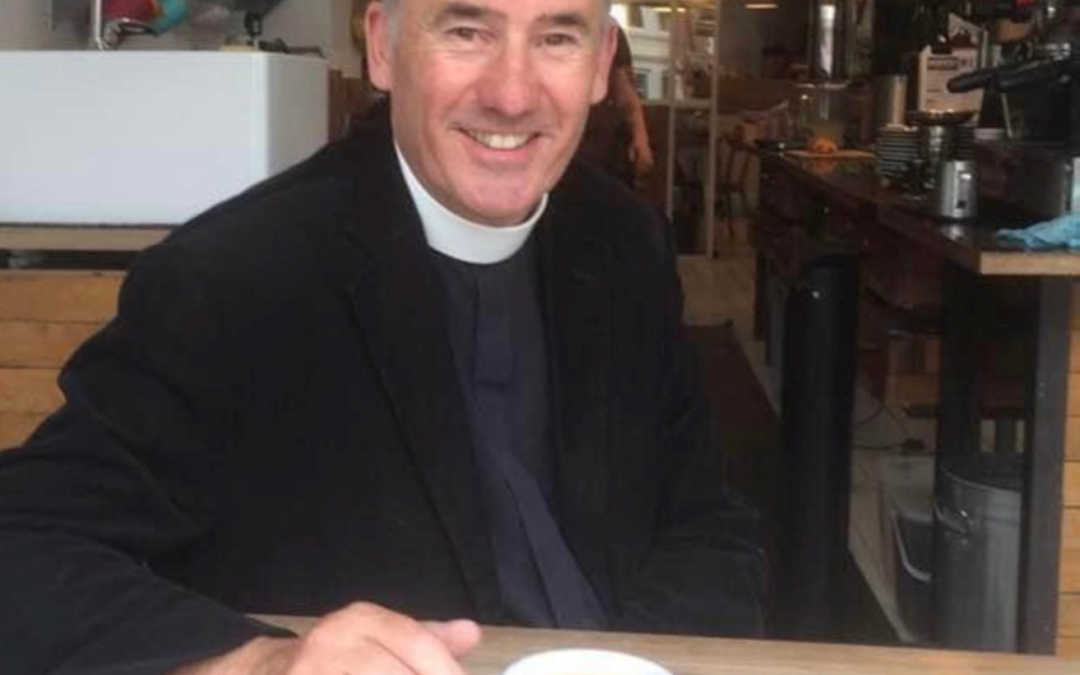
97	26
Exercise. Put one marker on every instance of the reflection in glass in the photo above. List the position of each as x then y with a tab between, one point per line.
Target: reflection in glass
826	38
650	41
666	38
673	44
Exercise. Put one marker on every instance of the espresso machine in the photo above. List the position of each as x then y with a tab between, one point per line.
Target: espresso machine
1033	96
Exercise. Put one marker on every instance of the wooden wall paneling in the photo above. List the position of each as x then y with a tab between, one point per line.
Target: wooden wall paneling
1068	647
1070	528
29	390
44	316
1073	402
1070	551
58	296
1071	492
1069	615
1072	439
16	427
1068	643
40	344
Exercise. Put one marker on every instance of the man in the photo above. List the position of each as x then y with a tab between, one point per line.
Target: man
421	375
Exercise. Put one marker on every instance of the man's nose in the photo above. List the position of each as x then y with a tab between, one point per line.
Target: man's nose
511	85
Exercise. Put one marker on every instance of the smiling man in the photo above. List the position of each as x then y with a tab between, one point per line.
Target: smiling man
490	99
431	377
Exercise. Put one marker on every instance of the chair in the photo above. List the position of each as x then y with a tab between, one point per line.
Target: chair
735	154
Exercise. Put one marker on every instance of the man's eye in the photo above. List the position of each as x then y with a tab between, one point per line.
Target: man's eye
464	33
560	40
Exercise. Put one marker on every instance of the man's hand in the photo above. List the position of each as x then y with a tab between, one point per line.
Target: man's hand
358	640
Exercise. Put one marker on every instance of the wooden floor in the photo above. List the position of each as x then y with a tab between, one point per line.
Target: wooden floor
721	290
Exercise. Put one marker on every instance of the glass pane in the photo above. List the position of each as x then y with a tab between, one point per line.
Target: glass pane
693	48
648	30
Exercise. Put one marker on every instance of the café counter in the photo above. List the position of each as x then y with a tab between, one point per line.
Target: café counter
911	266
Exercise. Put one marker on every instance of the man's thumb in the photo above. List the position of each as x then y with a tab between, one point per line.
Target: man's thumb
460	636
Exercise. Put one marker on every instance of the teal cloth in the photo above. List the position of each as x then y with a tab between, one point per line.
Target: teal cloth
1062	232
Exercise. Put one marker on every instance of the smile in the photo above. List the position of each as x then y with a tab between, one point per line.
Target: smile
499	141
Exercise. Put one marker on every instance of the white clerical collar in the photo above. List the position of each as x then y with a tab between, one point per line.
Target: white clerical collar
461	239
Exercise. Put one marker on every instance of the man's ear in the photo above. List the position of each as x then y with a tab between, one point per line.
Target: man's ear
608	41
379	57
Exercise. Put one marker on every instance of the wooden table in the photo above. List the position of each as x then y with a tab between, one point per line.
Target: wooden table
714	656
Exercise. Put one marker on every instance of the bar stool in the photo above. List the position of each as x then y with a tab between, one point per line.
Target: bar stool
735	156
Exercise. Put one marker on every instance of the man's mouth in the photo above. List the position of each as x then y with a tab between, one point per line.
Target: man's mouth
497	141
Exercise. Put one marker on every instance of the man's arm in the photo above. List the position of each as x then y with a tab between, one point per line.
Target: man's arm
122	473
128	470
626	98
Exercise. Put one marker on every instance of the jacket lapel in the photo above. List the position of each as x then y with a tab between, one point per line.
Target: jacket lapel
574	258
399	305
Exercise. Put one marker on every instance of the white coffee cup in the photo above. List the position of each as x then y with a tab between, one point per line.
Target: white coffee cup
584	662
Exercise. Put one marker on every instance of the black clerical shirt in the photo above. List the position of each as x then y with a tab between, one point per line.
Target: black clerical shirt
497	335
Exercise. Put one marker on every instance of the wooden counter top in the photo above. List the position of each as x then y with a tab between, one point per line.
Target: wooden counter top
79	238
852	184
714	656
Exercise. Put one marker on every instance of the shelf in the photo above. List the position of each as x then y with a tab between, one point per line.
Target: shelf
80	238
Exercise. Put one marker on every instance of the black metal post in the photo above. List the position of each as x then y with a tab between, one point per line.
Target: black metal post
958	424
815	429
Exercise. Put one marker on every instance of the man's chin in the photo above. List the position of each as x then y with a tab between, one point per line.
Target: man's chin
503	218
500	213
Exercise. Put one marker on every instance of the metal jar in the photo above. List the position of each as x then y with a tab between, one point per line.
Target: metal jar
977	551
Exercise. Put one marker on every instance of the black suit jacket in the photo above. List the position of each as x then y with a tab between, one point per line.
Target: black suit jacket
272	424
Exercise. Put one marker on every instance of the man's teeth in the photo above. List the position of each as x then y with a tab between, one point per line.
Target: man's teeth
500	141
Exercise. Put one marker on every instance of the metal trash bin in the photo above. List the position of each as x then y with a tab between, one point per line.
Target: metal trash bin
907	528
977	556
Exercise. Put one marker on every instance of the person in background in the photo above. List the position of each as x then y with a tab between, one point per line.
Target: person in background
432	377
616	136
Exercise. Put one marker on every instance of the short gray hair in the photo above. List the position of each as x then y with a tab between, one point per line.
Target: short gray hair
392	6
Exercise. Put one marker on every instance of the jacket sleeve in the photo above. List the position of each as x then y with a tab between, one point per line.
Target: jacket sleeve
705	573
123	471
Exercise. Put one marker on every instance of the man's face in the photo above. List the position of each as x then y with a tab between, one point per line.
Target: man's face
489	97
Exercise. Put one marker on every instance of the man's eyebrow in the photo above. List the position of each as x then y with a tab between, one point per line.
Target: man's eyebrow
464	10
566	20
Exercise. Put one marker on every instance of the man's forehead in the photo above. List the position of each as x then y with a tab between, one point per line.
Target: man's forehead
527	10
